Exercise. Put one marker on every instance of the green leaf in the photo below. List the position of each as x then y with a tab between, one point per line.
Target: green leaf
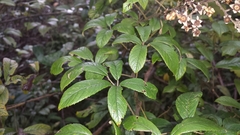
8	2
169	56
95	68
154	23
75	61
3	111
168	28
73	129
91	75
14	32
230	47
84	113
30	25
106	53
195	124
4	95
10	41
127	38
224	90
151	90
199	65
232	63
115	68
187	103
143	3
144	32
133	16
99	7
70	75
137	57
9	67
181	69
83	52
17	78
96	119
231	124
237	84
126	26
109	18
139	85
156	57
127	6
95	23
117	130
228	101
170	88
38	129
56	67
220	27
103	37
167	41
81	90
43	29
172	31
117	105
137	123
204	51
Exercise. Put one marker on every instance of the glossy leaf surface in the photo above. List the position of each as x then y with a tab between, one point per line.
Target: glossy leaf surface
38	129
139	85
168	54
103	37
115	68
137	123
70	75
228	101
74	129
56	67
137	57
117	105
195	124
127	38
83	52
198	64
81	90
187	103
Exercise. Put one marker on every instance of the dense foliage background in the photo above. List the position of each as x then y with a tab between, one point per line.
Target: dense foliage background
125	67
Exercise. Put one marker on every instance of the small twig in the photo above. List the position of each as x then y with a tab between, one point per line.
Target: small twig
214	92
31	100
149	72
143	112
63	117
110	80
130	109
145	17
225	13
164	112
159	79
219	75
160	3
101	128
127	75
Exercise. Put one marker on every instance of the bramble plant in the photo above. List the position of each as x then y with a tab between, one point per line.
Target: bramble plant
145	41
135	66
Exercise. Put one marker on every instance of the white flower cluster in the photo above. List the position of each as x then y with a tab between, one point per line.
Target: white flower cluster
190	16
